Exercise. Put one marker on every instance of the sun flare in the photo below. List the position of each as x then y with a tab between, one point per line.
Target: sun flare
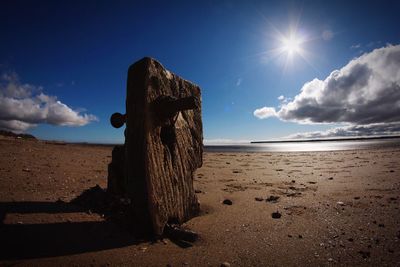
291	45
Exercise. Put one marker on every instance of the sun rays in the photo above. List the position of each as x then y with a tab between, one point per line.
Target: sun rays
291	45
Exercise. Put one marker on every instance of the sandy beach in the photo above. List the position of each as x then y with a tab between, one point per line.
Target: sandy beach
336	208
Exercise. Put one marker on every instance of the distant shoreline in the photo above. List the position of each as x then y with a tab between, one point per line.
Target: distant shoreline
326	140
60	142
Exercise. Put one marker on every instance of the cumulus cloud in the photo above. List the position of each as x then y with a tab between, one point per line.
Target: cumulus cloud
15	126
365	91
23	106
265	112
375	129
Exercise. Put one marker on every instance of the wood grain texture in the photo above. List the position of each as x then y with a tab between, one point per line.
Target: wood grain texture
162	148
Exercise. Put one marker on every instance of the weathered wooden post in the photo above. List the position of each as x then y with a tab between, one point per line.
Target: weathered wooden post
163	147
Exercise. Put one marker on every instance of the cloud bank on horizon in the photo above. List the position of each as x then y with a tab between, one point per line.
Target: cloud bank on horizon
363	96
24	106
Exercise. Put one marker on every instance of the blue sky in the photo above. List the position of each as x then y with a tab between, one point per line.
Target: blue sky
79	51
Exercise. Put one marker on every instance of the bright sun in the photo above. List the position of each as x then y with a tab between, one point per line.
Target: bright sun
291	45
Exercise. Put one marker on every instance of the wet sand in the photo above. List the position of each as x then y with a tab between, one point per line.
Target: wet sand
337	208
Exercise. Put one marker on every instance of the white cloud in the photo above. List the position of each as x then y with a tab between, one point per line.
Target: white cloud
283	100
23	106
264	112
239	82
327	35
365	91
355	46
15	126
375	129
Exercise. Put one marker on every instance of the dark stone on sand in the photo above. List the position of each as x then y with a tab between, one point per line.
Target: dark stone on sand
293	194
350	239
300	236
198	191
293	181
225	264
356	198
176	232
381	225
272	199
258	198
227	202
330	178
276	215
365	254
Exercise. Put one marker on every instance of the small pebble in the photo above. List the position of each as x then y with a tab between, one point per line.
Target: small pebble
276	215
225	264
365	254
227	202
258	198
272	199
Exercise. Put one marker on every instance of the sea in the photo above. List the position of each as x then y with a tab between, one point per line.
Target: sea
306	146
